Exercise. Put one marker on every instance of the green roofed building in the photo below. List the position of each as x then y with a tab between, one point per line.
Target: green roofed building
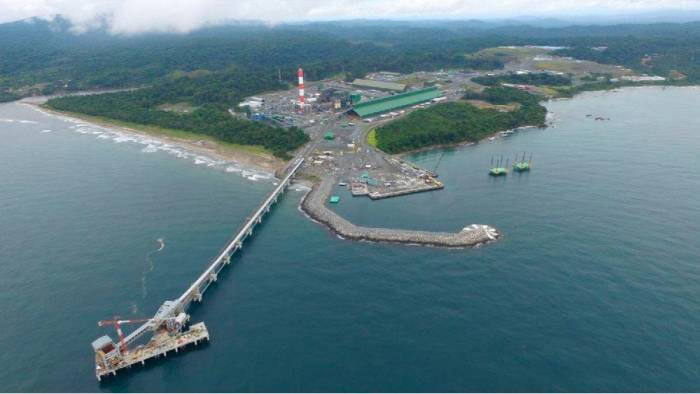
398	101
381	85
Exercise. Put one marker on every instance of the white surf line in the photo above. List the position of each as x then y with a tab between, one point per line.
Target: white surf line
155	144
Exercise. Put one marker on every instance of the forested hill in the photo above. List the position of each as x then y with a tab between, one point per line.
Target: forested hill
461	121
207	97
47	56
211	69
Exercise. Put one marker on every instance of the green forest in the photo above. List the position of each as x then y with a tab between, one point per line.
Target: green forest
455	122
210	94
46	57
213	68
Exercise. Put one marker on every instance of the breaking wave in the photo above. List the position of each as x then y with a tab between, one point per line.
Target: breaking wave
151	145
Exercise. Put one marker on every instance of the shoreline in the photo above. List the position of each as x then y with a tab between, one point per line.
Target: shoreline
201	145
313	206
462	144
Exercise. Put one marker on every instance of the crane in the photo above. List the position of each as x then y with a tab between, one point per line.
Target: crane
116	322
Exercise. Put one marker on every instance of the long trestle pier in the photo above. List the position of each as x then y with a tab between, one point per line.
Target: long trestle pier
168	322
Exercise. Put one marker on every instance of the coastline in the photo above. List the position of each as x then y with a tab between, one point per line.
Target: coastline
461	144
253	158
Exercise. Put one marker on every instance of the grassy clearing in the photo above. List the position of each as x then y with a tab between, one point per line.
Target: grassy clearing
481	104
181	107
372	138
191	74
508	54
549	92
558	65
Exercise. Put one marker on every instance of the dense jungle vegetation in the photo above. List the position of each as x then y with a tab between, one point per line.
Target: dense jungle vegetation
211	69
455	122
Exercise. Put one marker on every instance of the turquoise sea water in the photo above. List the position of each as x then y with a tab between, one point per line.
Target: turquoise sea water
594	287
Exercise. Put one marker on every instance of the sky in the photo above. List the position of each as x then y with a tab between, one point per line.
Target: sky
137	16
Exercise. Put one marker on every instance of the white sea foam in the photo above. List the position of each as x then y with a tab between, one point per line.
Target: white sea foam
119	138
28	121
257	176
46	131
7	120
300	188
149	149
151	145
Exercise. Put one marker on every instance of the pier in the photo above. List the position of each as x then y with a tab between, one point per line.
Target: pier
314	206
168	322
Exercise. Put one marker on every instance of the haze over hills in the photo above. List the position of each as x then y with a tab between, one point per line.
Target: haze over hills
214	68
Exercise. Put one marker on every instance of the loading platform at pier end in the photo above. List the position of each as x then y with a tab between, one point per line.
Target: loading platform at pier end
167	326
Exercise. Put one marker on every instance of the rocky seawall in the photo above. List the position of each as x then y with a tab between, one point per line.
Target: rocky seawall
313	205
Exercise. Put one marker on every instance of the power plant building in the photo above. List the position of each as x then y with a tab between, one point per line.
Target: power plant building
398	101
379	85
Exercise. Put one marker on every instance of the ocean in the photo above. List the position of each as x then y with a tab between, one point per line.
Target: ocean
595	285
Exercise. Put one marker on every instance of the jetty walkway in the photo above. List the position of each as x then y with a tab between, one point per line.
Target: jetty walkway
166	325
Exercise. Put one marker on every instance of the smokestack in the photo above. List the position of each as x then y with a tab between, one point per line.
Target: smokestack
300	74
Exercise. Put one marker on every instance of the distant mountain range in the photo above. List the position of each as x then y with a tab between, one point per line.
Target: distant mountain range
60	23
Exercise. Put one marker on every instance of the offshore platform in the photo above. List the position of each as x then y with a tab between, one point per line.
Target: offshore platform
498	169
522	165
168	327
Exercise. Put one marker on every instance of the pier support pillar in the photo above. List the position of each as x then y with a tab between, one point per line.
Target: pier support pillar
213	277
227	259
197	296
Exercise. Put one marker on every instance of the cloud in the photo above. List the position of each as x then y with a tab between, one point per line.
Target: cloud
136	16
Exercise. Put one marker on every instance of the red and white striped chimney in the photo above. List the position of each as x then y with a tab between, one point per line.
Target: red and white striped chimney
300	74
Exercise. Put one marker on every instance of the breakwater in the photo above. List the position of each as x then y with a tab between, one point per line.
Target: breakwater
313	205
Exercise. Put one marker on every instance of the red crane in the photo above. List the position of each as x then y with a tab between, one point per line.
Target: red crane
117	324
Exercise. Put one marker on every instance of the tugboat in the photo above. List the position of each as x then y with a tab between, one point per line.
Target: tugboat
522	165
498	169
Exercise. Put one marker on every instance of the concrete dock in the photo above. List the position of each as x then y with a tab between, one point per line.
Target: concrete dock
158	346
313	205
434	185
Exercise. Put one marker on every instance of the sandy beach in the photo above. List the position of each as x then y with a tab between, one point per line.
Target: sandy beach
241	156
